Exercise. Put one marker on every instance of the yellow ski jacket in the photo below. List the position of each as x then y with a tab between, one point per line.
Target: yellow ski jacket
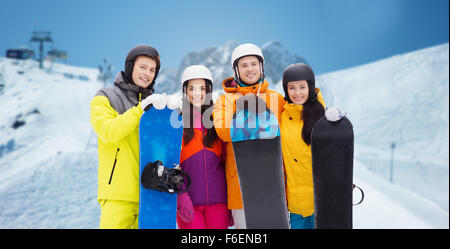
115	115
297	160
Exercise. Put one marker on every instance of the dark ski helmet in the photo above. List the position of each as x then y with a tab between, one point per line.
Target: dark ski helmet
296	72
134	53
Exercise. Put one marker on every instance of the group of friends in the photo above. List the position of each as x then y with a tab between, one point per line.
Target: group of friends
214	199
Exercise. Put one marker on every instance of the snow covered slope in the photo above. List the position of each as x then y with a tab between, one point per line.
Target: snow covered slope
403	100
48	178
390	206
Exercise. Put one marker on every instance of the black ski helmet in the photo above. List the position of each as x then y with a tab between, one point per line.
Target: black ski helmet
134	53
296	72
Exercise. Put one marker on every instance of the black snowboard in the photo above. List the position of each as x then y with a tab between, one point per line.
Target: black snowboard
332	162
257	151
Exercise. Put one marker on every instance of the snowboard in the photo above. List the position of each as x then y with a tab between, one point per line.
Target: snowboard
257	151
332	163
160	134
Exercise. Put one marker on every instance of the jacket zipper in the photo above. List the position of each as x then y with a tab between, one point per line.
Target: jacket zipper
114	166
206	171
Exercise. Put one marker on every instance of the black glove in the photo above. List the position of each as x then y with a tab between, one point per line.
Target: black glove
156	176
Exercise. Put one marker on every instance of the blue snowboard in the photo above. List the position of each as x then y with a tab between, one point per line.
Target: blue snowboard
158	140
257	151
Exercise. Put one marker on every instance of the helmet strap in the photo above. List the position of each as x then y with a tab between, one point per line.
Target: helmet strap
238	80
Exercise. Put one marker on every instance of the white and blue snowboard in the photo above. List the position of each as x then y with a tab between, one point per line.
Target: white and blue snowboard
158	140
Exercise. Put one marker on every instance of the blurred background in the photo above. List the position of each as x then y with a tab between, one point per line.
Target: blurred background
384	62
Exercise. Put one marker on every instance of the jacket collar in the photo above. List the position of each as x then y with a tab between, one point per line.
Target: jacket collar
293	111
131	89
231	86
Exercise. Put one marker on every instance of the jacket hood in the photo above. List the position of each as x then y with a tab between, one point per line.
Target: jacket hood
231	86
291	107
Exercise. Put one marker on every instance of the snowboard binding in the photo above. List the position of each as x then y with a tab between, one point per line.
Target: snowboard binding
158	177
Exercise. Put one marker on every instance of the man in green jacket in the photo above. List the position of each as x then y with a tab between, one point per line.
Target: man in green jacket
115	115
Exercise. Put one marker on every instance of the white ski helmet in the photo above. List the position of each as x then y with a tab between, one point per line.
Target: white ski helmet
245	50
196	72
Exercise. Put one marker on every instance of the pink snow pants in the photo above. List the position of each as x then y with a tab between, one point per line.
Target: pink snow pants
207	217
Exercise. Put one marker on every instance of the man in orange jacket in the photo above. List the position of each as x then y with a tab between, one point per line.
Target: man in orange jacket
247	61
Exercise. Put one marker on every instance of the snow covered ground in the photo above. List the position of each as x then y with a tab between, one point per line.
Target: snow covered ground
48	154
48	171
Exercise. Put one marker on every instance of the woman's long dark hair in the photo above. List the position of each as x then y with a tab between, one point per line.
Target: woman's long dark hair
188	121
313	110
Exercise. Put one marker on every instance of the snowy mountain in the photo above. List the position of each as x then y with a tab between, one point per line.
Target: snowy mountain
217	59
48	175
48	153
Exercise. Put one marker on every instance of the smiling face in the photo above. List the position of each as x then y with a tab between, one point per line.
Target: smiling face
144	71
249	69
196	91
298	91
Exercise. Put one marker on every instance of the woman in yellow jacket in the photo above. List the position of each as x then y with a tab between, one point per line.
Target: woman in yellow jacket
304	107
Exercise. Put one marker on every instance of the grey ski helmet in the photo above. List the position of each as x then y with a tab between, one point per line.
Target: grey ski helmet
134	53
296	72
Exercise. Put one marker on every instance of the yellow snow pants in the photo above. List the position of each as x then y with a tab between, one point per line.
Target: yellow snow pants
118	214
